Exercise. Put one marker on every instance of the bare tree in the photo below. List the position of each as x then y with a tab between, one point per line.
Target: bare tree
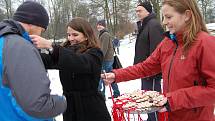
207	7
8	7
156	6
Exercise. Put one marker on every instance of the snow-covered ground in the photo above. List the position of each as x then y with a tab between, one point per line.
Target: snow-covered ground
211	28
126	57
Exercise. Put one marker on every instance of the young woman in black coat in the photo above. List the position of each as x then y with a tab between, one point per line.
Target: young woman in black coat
79	62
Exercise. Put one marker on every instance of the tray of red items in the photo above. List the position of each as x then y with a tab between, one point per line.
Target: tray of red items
138	102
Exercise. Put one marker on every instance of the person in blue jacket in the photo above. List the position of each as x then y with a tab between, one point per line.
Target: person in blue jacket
116	44
24	85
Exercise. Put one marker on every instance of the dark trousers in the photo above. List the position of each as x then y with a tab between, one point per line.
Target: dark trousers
116	50
152	84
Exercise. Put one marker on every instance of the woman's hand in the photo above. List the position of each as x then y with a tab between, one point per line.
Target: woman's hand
162	103
40	42
108	78
162	110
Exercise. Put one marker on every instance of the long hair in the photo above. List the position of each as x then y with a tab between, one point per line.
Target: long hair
81	25
195	23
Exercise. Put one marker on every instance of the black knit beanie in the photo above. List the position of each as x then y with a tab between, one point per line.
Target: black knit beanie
32	13
147	5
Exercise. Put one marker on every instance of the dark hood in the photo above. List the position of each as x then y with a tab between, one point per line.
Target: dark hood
10	27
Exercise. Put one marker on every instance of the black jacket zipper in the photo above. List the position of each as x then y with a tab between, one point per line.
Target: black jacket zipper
171	62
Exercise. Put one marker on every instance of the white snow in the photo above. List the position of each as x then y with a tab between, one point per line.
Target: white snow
210	26
126	57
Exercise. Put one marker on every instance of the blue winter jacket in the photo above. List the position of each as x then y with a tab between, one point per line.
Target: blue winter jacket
24	85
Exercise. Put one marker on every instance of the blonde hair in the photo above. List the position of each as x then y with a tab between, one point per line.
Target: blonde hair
195	23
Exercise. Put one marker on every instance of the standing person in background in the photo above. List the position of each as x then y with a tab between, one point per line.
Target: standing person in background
24	85
149	35
79	61
106	44
116	44
186	59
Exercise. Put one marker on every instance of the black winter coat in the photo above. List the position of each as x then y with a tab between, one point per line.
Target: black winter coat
80	75
149	36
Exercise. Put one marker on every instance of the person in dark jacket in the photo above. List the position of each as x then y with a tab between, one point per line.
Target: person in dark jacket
24	85
79	61
106	44
149	36
116	44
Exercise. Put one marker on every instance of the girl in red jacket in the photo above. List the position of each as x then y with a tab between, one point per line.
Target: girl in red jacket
186	59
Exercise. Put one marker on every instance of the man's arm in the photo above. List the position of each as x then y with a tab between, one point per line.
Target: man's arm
105	39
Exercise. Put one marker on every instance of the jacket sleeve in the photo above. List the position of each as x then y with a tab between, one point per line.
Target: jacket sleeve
105	39
151	66
80	62
155	35
26	76
51	60
198	96
47	61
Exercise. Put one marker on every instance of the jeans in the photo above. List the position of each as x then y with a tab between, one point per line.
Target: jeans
107	66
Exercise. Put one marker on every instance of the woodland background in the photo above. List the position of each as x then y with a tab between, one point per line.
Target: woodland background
120	14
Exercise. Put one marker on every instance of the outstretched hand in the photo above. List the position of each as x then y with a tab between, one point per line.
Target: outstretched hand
162	103
162	110
108	78
41	42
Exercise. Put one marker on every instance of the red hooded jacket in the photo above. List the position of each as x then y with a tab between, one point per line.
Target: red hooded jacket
189	80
